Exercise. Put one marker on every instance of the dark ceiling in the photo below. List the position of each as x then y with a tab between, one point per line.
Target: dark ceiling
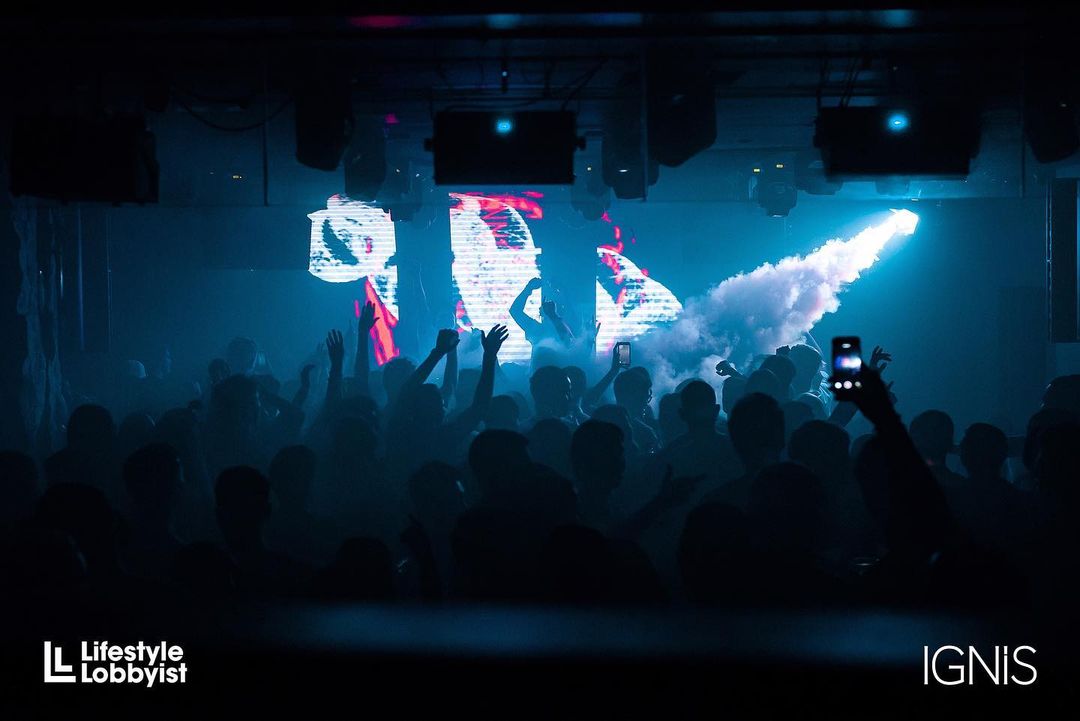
771	66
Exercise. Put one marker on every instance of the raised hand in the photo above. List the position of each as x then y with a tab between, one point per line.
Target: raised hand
335	348
446	341
367	318
879	359
492	340
725	369
305	375
533	284
548	308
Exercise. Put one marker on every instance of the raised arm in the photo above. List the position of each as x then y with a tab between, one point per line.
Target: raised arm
724	369
362	364
551	312
449	379
300	397
592	396
529	326
917	505
470	418
445	341
335	348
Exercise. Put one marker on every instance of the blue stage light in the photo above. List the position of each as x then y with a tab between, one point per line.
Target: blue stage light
898	122
504	126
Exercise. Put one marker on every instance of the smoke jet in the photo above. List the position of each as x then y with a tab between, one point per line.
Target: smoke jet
755	313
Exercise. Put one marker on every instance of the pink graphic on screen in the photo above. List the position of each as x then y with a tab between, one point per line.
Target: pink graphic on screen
494	257
353	240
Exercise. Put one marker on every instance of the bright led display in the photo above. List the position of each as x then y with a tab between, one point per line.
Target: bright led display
494	257
353	240
628	302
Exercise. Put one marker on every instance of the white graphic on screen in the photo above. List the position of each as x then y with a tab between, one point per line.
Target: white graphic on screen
628	302
353	239
494	257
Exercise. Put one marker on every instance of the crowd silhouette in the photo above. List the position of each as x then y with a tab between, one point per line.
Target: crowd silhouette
380	486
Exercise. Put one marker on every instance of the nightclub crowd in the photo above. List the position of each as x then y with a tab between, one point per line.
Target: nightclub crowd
378	485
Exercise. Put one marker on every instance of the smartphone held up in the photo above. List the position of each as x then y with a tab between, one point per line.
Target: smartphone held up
846	366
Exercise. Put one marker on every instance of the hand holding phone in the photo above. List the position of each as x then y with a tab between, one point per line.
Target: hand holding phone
846	366
622	351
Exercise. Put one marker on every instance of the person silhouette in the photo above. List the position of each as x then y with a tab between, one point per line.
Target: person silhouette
549	387
242	495
932	431
756	428
597	456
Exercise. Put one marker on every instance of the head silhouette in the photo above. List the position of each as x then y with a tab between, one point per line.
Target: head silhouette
983	451
669	416
633	390
597	455
784	369
932	431
578	383
807	362
241	355
503	414
91	430
550	389
697	406
756	426
1063	392
491	454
